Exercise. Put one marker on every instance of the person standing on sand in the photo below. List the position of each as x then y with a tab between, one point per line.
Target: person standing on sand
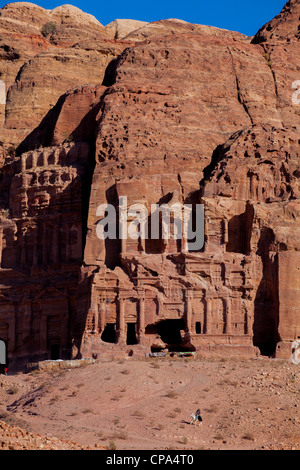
198	416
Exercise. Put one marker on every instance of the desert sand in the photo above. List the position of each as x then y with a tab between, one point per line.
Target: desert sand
145	404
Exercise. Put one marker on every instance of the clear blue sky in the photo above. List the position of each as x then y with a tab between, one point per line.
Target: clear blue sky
245	16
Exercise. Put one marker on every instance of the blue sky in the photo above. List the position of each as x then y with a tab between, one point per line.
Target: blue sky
236	15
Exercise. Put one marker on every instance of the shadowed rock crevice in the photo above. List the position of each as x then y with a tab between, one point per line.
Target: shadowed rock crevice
266	313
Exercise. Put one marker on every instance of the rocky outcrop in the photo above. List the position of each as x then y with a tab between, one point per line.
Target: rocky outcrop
183	114
119	29
43	54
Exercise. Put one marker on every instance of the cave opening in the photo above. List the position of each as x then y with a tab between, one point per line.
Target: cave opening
109	333
131	334
170	333
54	352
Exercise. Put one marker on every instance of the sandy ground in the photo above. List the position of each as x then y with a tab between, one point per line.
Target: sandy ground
146	404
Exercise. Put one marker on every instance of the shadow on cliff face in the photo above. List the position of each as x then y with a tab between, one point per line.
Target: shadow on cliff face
46	244
43	134
266	304
113	247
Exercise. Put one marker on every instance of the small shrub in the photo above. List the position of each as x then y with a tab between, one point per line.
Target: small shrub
48	29
160	427
112	445
12	390
115	398
155	365
139	414
171	394
55	398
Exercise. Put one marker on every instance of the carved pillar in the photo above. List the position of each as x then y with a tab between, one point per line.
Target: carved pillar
23	246
45	158
121	329
12	332
102	315
188	310
67	239
228	316
35	247
208	314
64	333
249	316
56	157
96	321
44	246
225	234
43	333
54	243
23	163
34	159
25	180
141	326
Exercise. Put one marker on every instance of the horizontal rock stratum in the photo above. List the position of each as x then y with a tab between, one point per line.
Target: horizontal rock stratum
160	113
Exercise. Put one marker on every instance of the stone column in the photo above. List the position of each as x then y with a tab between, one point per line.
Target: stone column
102	315
45	158
141	324
228	316
188	310
121	329
44	242
96	321
56	156
35	248
208	314
23	246
34	159
23	163
12	332
54	242
43	333
225	228
249	316
67	240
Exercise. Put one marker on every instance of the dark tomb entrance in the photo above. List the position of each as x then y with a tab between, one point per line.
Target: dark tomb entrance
54	352
170	333
109	333
131	334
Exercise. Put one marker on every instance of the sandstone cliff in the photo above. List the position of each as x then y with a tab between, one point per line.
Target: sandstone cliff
159	112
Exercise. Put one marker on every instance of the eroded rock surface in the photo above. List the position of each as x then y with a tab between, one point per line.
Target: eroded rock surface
183	114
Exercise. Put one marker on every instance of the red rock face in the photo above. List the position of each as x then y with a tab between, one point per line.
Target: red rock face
39	63
191	115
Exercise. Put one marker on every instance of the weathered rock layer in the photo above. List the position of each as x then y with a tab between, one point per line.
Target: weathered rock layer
183	114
